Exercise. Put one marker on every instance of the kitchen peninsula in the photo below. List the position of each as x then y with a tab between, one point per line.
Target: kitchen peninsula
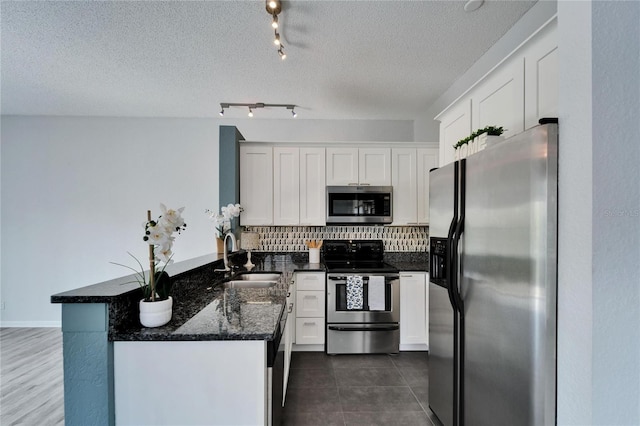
213	355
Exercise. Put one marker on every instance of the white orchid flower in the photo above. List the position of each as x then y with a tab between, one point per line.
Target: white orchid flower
158	236
163	254
171	219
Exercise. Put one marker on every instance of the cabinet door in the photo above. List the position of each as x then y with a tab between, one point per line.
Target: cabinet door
310	304
405	188
342	166
541	76
374	166
455	124
413	309
286	186
310	281
256	185
310	331
312	187
499	99
427	159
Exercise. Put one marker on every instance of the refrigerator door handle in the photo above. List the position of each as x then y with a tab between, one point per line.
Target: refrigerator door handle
456	290
451	269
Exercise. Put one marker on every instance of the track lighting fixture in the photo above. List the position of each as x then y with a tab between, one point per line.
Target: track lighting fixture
257	106
274	7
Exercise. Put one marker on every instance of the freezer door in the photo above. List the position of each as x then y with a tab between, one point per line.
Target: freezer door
441	315
509	281
441	389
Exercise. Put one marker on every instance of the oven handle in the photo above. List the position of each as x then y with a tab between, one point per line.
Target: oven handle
365	277
376	328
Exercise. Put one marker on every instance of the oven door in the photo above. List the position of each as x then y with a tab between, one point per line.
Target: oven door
338	310
363	338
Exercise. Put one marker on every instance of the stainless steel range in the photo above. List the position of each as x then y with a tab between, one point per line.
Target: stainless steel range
363	298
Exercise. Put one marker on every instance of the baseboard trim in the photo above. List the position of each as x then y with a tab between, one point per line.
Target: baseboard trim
30	324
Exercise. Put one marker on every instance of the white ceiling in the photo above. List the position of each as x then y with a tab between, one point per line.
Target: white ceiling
346	59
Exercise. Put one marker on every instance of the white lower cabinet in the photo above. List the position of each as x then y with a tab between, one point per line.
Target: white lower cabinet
414	311
310	308
289	335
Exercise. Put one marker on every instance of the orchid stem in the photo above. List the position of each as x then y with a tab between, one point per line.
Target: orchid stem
152	266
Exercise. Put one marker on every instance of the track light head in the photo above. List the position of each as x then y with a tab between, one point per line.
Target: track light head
250	112
276	41
283	55
295	114
221	112
274	7
274	23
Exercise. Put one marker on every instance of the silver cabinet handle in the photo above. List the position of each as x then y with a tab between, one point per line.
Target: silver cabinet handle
290	308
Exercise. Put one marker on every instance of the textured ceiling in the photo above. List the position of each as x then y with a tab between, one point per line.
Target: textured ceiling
346	59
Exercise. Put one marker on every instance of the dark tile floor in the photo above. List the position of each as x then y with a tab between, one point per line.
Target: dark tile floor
358	390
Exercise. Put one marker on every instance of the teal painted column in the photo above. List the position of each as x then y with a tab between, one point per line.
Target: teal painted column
229	175
88	365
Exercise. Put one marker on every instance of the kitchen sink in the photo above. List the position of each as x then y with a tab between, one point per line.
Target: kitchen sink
258	276
249	284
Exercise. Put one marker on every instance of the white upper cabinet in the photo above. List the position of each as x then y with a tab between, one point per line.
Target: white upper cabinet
286	186
282	185
455	124
358	166
342	166
541	77
312	187
374	166
256	185
405	186
515	95
499	100
410	170
427	160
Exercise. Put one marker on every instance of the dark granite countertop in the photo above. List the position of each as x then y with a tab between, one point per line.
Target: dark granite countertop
409	262
202	308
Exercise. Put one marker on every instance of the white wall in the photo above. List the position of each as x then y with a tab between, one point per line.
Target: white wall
75	192
574	221
599	214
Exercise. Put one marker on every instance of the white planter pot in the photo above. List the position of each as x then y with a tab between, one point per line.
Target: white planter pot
156	314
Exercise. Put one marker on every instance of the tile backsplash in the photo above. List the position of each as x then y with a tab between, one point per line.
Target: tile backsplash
293	238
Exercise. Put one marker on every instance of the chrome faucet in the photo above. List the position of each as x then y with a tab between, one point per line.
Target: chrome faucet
226	252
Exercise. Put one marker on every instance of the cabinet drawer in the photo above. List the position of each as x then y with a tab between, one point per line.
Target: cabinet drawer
310	304
309	281
310	331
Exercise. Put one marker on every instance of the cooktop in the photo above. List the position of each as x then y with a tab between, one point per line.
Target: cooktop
355	256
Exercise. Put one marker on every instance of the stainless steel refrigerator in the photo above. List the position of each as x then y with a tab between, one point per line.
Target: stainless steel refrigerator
492	291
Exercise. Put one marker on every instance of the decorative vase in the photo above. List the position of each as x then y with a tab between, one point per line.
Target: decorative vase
219	245
156	314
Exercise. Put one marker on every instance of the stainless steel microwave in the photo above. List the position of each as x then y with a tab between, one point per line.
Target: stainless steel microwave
359	204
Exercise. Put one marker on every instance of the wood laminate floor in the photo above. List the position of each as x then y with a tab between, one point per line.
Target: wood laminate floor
31	384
